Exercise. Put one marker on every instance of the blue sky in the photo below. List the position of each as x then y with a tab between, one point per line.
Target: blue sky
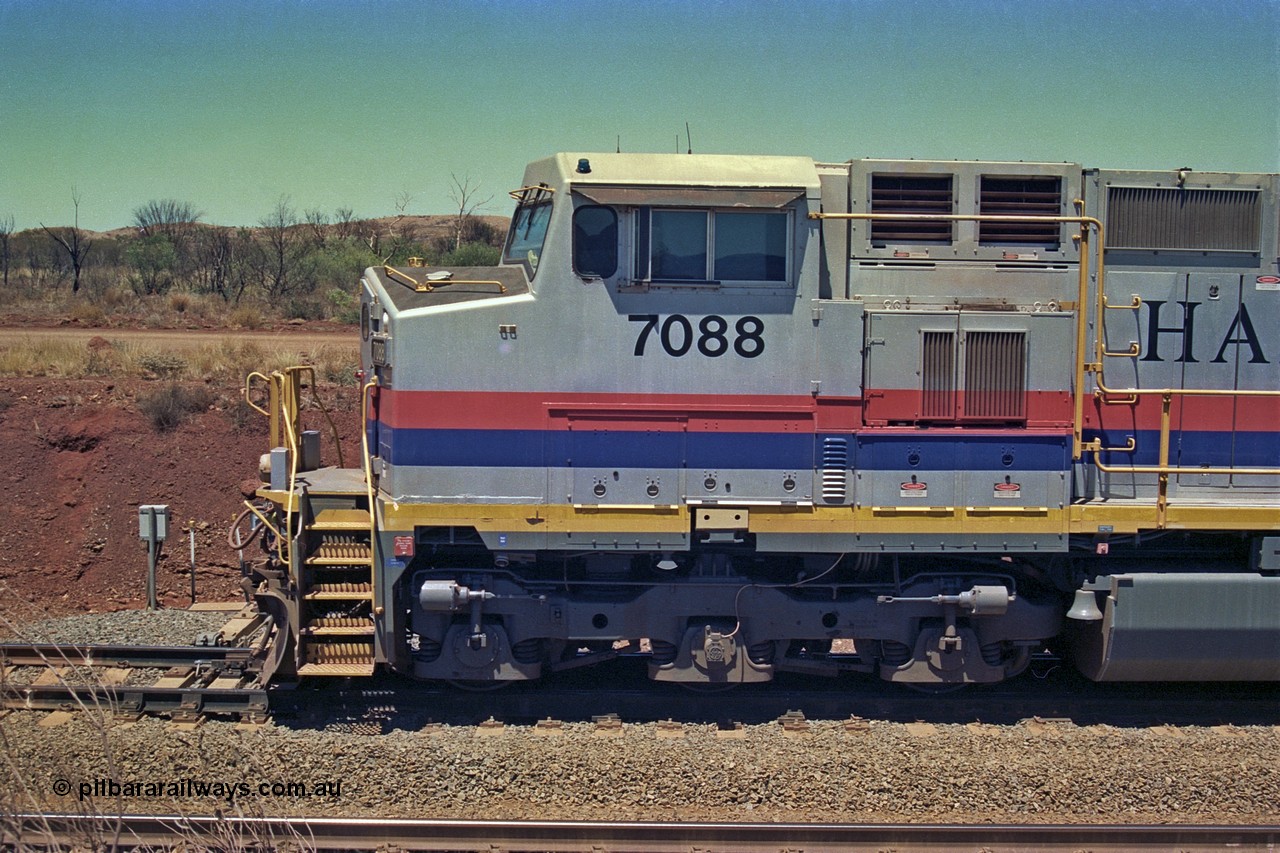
232	104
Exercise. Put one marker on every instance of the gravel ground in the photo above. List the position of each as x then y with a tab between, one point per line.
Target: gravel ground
138	627
889	772
1031	772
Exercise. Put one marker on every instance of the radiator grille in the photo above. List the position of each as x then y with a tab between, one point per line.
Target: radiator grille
995	371
1172	218
911	194
1031	196
938	376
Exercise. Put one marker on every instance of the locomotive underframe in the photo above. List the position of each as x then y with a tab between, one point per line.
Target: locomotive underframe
720	617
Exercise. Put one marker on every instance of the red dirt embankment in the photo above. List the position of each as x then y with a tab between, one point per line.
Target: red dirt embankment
80	458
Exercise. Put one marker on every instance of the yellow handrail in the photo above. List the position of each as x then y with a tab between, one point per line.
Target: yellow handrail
290	412
524	192
368	480
429	287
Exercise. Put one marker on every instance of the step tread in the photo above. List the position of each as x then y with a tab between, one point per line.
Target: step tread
349	626
336	669
341	519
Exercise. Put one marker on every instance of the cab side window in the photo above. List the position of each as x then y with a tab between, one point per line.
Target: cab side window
693	246
595	241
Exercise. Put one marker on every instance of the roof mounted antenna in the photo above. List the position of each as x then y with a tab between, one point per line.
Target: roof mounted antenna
688	137
619	149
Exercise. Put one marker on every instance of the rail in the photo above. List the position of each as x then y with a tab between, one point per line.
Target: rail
332	833
57	654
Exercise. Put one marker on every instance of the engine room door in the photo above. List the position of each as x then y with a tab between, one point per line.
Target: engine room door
909	365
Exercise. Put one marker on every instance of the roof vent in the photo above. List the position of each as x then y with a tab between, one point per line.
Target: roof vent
1028	196
928	194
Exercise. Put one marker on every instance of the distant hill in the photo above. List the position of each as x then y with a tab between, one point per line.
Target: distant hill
412	227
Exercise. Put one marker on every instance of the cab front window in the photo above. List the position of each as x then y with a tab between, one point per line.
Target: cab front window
528	227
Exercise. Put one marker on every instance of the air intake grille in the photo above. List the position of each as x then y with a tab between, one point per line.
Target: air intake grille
835	462
1020	197
1195	219
378	351
995	376
911	194
938	376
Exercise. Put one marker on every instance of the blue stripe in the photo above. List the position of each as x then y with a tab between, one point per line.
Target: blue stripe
715	450
934	452
595	449
1194	448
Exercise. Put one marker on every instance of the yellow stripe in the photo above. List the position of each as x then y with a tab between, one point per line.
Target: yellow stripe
915	520
1078	518
558	518
760	519
1132	518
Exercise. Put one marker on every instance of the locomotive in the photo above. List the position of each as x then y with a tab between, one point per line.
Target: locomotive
746	415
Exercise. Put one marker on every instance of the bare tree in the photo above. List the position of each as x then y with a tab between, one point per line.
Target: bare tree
344	223
166	216
6	231
283	248
214	255
386	247
464	198
73	242
318	223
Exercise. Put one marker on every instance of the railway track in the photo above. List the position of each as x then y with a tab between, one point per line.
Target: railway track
625	693
195	680
222	680
133	831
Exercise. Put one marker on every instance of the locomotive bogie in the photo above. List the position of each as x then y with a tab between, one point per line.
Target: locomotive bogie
706	623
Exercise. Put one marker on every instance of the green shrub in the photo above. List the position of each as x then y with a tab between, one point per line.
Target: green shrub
471	255
241	414
163	364
303	308
343	306
154	260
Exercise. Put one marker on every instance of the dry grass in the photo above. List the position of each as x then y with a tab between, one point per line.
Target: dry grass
37	356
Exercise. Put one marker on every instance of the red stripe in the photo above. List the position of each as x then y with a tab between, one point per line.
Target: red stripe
786	413
1043	408
554	410
1207	414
